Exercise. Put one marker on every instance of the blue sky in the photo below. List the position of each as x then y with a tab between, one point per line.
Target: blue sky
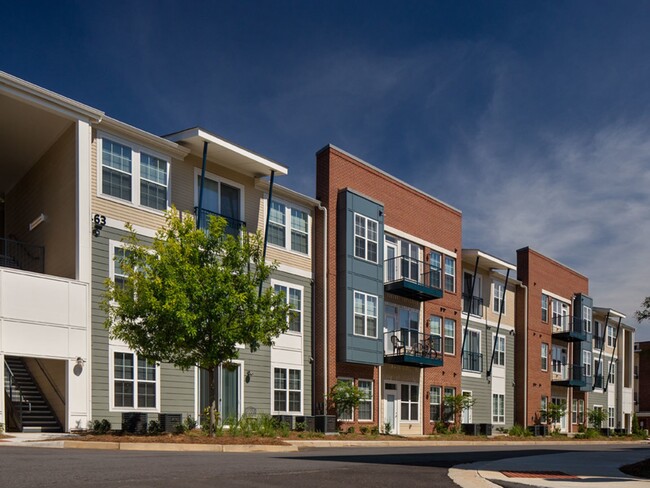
531	117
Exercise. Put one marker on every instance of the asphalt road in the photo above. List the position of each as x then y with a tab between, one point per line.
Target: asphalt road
425	466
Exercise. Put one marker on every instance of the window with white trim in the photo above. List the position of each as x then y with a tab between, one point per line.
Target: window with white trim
586	317
450	336
498	408
560	314
612	373
611	336
558	361
500	351
123	164
365	405
295	236
544	356
543	407
365	314
410	403
435	268
611	419
447	410
544	308
435	403
498	291
586	362
345	414
365	238
293	296
450	274
435	323
287	390
578	411
134	381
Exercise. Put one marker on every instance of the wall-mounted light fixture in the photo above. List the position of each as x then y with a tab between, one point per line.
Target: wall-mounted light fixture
36	222
249	375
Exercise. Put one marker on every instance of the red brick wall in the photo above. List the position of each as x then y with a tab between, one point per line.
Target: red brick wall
538	272
405	209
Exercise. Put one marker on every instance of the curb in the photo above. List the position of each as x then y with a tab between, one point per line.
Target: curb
155	446
415	443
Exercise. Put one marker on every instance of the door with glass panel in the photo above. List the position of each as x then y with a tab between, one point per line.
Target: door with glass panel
410	261
230	409
221	199
391	263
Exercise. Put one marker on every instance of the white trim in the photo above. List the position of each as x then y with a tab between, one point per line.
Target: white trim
557	297
112	349
372	400
417	240
492	409
240	393
505	350
419	402
287	212
365	314
365	238
300	288
469	419
493	287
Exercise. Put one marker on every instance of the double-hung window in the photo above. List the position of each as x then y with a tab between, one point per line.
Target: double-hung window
435	268
498	296
611	336
365	238
450	274
560	314
345	414
611	417
293	296
559	355
287	390
365	314
586	317
134	381
435	403
435	323
544	308
500	350
544	356
410	403
612	373
577	411
124	165
294	236
450	336
365	405
586	362
447	410
498	408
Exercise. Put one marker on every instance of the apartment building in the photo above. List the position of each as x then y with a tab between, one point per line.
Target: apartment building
388	317
488	351
71	179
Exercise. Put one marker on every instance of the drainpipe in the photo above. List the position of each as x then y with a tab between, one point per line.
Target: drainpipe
199	209
325	288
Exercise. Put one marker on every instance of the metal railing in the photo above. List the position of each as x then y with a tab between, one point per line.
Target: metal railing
20	255
472	305
598	342
233	226
411	343
598	381
571	372
473	361
410	269
565	323
15	397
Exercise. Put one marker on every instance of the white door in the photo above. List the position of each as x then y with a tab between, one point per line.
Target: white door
466	416
390	412
391	269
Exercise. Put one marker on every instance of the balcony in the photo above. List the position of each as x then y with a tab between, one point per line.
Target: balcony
410	278
598	381
19	255
473	362
472	305
571	376
233	226
411	348
598	342
568	329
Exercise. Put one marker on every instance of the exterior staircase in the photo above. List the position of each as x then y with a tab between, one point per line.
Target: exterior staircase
37	415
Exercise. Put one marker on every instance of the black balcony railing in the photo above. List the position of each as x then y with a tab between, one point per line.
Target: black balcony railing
473	361
598	342
598	381
569	329
19	255
411	278
472	305
573	375
233	226
410	347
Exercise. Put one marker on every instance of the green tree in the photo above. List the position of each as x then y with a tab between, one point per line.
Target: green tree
554	412
193	297
644	312
597	417
346	396
455	404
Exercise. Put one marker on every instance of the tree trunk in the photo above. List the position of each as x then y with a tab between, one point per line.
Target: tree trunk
213	400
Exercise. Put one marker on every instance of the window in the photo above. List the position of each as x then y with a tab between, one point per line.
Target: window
544	356
500	351
450	274
119	253
466	414
612	373
121	164
611	336
472	301
498	294
346	414
558	359
409	323
436	333
365	238
410	403
472	357
296	234
134	381
586	362
410	261
498	408
447	410
365	405
611	418
578	411
543	407
287	390
435	266
293	296
365	314
221	198
450	336
560	314
544	308
586	316
598	339
435	403
598	372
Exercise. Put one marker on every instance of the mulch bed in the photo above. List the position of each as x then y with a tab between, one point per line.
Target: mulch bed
640	469
181	439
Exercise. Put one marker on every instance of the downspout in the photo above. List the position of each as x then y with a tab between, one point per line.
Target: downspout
611	359
325	288
266	227
199	209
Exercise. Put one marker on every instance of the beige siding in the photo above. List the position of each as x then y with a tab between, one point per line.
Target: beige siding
48	188
508	318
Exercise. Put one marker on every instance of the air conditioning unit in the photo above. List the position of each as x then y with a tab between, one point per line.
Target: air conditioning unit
169	421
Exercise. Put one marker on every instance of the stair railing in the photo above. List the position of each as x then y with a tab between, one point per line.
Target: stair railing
15	396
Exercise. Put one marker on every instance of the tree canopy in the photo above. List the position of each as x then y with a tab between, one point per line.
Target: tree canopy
192	297
644	313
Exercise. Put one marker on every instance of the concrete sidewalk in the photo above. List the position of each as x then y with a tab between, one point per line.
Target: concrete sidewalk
589	469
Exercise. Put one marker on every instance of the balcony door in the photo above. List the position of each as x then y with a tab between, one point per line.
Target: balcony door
391	269
223	199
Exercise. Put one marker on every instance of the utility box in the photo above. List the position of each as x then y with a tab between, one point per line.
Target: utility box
325	424
307	422
134	422
169	422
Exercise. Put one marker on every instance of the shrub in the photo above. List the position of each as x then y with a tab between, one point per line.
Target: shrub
364	430
189	423
100	427
351	430
519	431
2	428
301	426
374	430
441	427
387	428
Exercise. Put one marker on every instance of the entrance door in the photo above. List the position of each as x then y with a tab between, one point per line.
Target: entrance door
392	264
390	412
559	401
230	388
222	199
466	416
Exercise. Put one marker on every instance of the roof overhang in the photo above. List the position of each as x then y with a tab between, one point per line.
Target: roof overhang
226	153
487	260
611	311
